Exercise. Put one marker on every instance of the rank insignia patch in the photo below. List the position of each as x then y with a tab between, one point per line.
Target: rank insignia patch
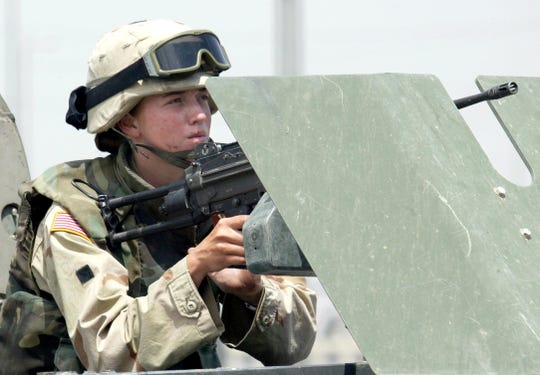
64	222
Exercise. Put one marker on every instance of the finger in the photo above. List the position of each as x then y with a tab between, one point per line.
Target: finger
235	250
235	222
238	261
229	230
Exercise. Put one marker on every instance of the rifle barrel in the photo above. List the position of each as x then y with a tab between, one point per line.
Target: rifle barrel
145	195
497	92
180	222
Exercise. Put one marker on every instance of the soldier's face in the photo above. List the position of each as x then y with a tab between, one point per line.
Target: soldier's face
172	122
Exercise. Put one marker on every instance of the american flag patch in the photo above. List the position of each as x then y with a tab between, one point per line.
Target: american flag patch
64	222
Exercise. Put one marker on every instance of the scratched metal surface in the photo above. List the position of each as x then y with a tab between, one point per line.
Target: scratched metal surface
519	115
392	201
14	170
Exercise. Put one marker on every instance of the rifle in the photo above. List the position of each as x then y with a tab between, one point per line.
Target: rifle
219	181
496	92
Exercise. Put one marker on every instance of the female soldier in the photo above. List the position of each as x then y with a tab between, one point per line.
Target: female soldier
76	303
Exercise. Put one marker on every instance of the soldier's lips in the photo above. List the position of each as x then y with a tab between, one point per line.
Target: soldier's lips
198	139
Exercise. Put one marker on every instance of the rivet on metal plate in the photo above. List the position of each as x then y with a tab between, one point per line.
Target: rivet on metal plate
500	191
526	233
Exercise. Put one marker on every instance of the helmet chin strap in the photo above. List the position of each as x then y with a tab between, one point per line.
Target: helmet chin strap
181	159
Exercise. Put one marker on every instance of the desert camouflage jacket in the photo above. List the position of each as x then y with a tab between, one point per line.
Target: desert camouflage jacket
73	303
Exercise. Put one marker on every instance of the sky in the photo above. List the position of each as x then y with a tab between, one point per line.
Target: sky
45	45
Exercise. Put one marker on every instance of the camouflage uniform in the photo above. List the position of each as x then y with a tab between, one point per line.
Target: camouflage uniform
134	308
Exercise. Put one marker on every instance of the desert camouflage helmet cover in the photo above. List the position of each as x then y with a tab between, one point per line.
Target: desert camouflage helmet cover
122	47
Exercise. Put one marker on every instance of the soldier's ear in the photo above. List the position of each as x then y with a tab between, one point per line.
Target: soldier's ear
128	125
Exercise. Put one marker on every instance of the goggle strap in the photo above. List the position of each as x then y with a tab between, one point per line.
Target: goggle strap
118	82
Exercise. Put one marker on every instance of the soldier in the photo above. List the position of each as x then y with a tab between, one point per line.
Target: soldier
75	303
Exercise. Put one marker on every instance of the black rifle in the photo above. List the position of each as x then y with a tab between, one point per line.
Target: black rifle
220	181
497	92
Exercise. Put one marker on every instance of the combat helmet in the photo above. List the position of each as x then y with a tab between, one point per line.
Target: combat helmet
141	59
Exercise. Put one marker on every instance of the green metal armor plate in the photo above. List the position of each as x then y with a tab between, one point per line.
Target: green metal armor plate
520	116
429	255
14	171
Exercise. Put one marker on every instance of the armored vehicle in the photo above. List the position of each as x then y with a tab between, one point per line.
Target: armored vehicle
429	255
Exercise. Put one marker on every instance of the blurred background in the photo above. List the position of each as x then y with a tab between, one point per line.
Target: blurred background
44	47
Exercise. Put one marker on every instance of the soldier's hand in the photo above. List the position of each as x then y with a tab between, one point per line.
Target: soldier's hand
222	248
240	282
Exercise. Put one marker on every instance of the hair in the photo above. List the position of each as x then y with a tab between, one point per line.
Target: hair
109	141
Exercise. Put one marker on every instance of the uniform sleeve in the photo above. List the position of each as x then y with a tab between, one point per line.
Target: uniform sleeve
109	329
281	330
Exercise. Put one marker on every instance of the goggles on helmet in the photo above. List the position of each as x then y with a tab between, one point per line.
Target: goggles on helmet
181	54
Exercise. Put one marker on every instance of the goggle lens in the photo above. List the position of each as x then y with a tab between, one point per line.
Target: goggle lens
185	53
